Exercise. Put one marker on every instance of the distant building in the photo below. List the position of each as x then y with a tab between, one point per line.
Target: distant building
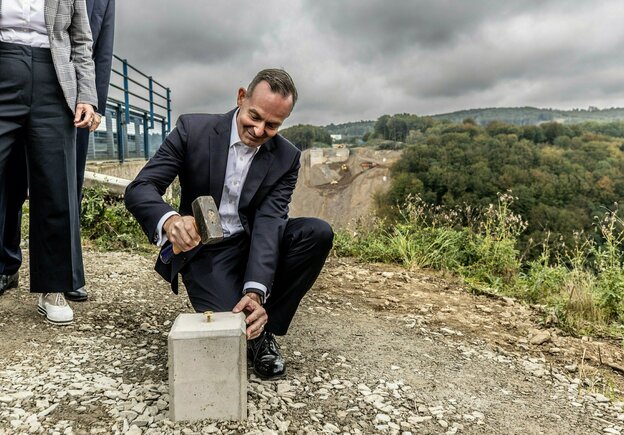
336	137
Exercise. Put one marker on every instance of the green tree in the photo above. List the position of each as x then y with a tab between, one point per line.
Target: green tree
304	136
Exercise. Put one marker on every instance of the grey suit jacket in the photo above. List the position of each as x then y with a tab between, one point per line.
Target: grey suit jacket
70	43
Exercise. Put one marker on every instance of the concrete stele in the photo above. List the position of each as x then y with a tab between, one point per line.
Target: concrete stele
208	367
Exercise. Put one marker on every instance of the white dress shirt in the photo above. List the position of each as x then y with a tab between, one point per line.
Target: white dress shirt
239	161
23	22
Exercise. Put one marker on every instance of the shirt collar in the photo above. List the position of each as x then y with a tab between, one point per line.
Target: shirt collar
235	138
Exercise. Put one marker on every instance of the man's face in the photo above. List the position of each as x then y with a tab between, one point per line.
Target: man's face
261	115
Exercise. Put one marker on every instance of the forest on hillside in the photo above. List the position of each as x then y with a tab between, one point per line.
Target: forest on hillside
564	177
533	115
305	136
509	115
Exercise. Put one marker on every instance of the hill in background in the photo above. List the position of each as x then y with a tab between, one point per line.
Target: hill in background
510	115
533	116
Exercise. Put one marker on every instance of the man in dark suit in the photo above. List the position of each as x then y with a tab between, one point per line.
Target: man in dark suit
267	262
102	21
101	15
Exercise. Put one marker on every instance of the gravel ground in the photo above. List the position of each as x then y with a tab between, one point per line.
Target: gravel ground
373	349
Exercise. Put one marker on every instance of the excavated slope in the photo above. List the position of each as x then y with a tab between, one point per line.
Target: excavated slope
339	185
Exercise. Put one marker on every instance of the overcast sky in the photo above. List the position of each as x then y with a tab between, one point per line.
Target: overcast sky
359	59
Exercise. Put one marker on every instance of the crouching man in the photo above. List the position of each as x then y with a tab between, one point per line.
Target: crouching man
266	262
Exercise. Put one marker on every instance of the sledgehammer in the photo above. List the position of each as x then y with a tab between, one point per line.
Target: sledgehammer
208	225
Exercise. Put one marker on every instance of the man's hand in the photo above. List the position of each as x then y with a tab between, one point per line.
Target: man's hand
255	312
182	233
84	115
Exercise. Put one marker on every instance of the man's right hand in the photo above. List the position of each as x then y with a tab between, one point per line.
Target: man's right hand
182	233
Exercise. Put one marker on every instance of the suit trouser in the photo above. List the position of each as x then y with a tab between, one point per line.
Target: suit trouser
82	148
13	190
214	277
12	200
35	118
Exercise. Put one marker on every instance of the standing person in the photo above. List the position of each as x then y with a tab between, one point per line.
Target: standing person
102	21
267	262
47	90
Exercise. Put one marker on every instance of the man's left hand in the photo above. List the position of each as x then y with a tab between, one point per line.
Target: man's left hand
255	312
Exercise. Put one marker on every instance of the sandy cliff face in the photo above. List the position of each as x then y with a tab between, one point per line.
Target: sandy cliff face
339	185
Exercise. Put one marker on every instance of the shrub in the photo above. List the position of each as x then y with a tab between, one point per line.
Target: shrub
584	286
105	221
610	267
543	280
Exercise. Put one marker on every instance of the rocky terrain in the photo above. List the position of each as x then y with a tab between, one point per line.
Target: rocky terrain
341	190
373	349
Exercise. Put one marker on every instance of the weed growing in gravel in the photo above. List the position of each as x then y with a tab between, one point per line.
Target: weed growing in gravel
542	280
367	242
495	260
105	221
435	237
610	267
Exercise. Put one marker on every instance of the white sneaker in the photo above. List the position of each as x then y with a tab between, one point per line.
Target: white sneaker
55	308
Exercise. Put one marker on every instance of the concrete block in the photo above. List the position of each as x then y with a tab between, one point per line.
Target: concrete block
208	367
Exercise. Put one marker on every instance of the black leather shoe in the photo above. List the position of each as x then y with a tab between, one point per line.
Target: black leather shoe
8	281
265	357
78	295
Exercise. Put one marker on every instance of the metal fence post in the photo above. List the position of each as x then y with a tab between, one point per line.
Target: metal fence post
168	110
146	138
120	135
151	101
126	95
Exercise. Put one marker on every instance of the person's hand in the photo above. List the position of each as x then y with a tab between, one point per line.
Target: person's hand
182	233
84	116
97	119
255	312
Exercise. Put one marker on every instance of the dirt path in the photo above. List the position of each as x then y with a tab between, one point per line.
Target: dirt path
373	349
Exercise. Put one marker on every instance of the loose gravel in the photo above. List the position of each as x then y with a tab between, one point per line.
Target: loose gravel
373	349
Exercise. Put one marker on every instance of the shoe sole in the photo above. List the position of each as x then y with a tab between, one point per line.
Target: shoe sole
270	378
76	299
44	313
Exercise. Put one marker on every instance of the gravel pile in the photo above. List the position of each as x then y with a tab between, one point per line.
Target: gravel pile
352	369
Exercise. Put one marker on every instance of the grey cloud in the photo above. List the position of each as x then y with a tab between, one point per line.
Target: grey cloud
379	28
356	60
165	33
530	50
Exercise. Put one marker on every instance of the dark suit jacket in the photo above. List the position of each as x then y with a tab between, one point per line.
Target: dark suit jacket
196	151
102	21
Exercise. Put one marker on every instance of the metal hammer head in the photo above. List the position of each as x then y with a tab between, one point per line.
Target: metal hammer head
207	219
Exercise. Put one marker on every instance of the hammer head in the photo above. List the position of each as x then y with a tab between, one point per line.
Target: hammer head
207	219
